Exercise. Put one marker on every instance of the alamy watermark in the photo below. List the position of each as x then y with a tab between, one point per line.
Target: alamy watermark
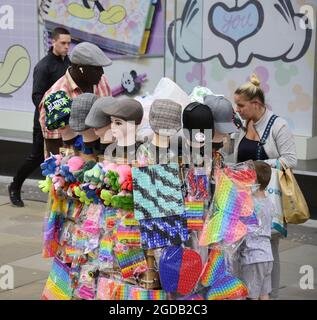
6	277
6	17
191	147
306	281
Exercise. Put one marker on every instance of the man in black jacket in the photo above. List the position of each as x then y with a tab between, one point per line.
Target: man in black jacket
45	74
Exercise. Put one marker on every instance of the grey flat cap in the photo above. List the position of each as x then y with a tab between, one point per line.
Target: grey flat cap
81	106
97	117
88	54
127	109
165	116
222	111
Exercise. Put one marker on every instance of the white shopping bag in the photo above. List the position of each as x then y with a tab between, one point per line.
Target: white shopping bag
273	191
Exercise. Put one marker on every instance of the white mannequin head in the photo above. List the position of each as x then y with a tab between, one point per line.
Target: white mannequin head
160	140
104	134
123	131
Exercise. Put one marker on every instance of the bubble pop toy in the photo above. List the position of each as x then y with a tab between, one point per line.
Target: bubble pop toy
229	205
221	284
58	285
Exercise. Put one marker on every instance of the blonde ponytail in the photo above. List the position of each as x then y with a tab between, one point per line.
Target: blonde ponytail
252	89
255	80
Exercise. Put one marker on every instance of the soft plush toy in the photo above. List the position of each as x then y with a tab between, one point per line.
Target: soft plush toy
90	193
70	190
64	171
106	195
122	201
75	163
79	175
58	182
106	166
112	180
82	195
124	171
45	185
95	176
51	165
127	184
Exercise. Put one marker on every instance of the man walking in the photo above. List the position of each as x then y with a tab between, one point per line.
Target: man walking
47	71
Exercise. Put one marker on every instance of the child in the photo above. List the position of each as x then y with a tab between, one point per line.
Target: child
256	259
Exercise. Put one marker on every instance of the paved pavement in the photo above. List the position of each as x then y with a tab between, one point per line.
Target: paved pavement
21	245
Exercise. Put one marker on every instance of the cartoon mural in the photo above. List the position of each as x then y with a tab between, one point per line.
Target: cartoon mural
18	54
218	44
14	70
121	27
239	31
112	15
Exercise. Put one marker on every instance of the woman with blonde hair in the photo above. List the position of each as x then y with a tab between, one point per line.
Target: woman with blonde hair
264	136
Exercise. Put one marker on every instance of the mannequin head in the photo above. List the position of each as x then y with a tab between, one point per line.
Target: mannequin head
198	124
89	135
87	75
223	113
125	115
219	137
160	141
123	131
104	134
165	120
68	134
99	120
81	106
87	62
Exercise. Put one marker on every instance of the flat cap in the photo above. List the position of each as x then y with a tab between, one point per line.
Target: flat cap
88	54
165	116
97	117
80	108
127	109
223	113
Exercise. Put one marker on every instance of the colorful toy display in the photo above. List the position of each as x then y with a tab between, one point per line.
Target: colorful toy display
232	201
118	232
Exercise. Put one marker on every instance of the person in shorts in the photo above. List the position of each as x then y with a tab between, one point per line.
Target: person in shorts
256	258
